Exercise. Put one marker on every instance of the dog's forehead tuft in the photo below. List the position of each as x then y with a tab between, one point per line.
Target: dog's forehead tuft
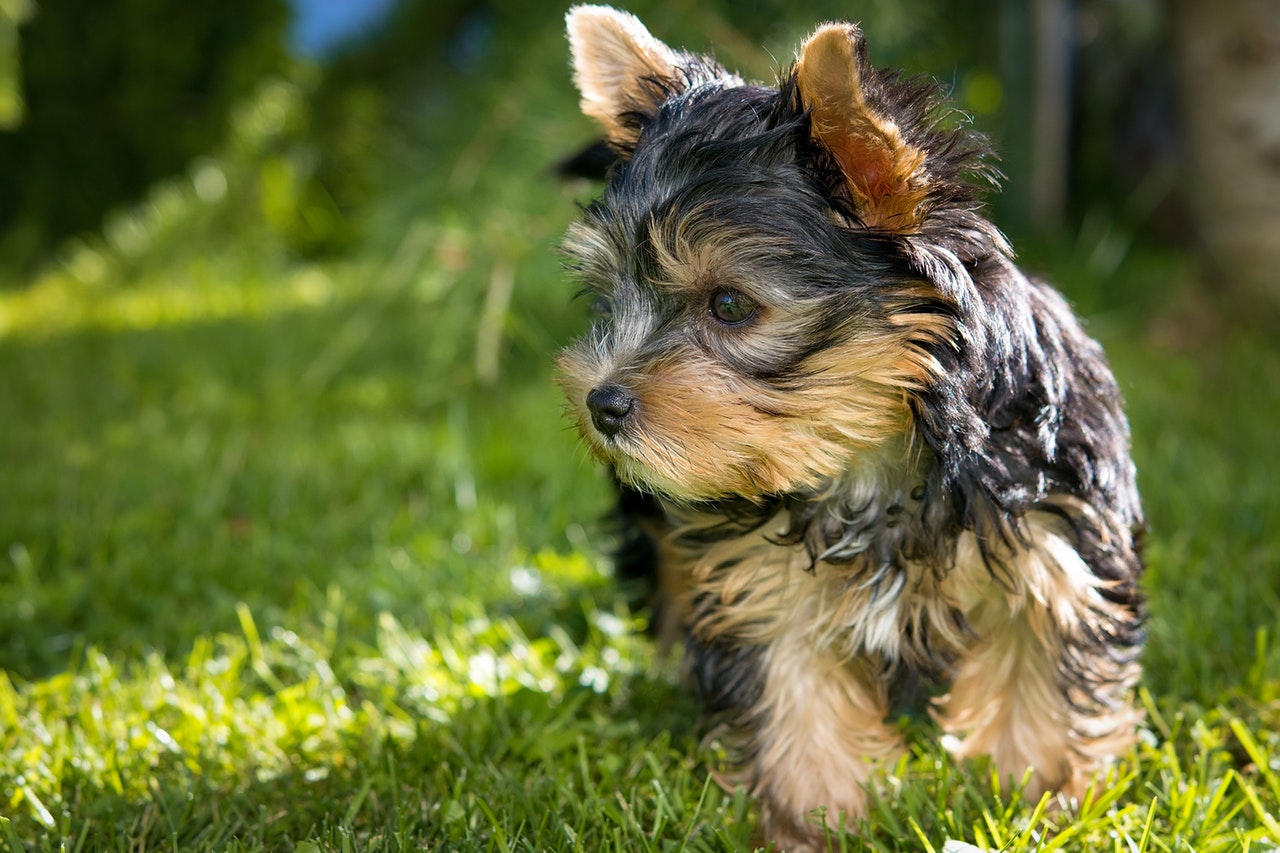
714	124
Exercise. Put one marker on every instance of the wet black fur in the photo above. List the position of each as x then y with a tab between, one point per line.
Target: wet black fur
1025	406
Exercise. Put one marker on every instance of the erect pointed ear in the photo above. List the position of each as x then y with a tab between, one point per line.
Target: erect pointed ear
619	68
885	174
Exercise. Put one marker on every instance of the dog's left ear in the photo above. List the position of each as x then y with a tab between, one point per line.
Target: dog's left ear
885	174
623	73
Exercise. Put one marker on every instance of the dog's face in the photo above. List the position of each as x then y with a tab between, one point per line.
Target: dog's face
763	319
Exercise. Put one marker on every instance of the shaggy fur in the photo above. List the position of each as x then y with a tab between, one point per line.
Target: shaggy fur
852	439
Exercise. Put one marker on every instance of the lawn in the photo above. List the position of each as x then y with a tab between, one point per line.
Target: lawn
297	550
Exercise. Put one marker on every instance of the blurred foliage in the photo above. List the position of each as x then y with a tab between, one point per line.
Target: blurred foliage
119	94
13	13
115	96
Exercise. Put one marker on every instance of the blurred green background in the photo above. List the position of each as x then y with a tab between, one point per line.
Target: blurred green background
277	312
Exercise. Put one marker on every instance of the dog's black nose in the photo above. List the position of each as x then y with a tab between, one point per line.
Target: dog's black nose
610	405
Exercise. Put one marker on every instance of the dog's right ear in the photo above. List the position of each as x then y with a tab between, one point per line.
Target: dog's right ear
622	72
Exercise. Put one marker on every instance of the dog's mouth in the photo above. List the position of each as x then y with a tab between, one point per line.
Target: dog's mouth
679	462
611	422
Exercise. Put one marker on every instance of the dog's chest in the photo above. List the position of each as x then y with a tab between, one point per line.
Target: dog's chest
756	589
833	570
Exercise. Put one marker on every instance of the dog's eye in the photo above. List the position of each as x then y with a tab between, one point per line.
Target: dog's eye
732	308
602	307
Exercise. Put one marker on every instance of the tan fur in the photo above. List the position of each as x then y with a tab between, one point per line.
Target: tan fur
885	175
617	62
824	738
700	430
671	618
1005	700
613	56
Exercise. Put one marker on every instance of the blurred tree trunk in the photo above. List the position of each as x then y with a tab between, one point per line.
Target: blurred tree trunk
12	15
1036	42
1228	54
1054	41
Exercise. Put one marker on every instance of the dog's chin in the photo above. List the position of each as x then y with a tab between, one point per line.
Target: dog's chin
634	471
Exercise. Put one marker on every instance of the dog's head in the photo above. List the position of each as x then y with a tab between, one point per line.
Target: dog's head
775	270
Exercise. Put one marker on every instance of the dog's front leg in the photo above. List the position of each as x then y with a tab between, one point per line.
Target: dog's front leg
804	724
1045	688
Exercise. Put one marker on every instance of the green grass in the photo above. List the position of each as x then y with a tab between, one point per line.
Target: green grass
297	552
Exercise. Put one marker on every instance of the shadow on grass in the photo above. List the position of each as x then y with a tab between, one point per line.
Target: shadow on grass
156	477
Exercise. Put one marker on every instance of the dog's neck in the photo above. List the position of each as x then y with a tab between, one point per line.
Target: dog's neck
876	505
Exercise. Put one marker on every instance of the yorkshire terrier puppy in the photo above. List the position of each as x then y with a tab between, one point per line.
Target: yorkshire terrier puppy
854	440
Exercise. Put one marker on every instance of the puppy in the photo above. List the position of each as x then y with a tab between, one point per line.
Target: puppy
855	443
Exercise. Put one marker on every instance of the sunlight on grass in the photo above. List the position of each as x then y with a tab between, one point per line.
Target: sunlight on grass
247	709
59	304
